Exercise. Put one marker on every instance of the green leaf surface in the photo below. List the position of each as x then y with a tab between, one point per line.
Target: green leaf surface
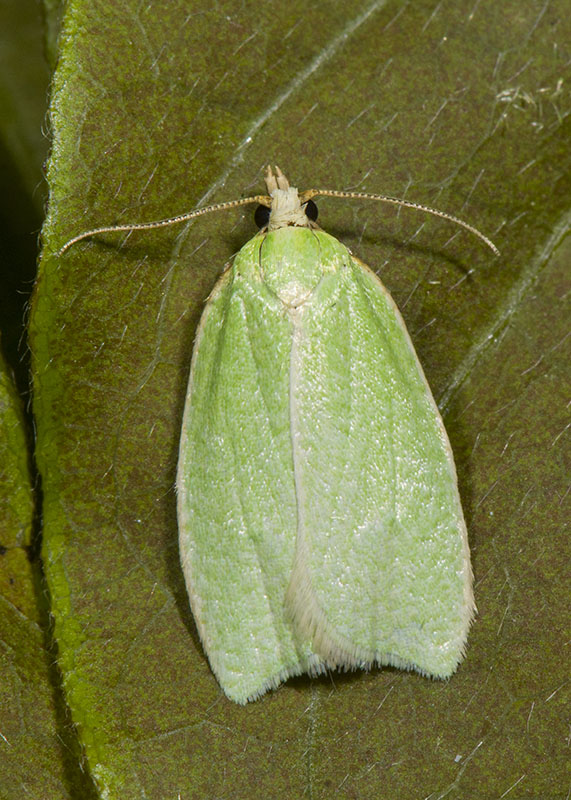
24	77
39	754
156	108
30	753
16	504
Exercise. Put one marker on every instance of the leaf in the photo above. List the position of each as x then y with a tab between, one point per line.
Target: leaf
458	105
29	749
23	148
39	754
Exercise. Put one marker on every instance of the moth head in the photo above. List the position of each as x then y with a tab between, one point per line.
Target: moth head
285	207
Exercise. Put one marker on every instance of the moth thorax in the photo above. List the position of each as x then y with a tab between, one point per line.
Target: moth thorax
286	210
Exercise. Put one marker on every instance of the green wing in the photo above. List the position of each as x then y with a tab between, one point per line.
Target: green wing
320	523
382	571
236	495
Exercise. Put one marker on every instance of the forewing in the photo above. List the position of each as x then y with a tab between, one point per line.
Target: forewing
236	495
382	571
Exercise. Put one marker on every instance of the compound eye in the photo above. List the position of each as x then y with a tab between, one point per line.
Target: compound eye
311	210
262	216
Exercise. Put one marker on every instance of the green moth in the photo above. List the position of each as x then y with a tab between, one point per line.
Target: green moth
320	524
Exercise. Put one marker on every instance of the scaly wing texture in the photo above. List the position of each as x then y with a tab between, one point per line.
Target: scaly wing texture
236	505
382	570
319	517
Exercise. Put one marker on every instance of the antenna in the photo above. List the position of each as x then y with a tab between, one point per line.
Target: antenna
276	182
